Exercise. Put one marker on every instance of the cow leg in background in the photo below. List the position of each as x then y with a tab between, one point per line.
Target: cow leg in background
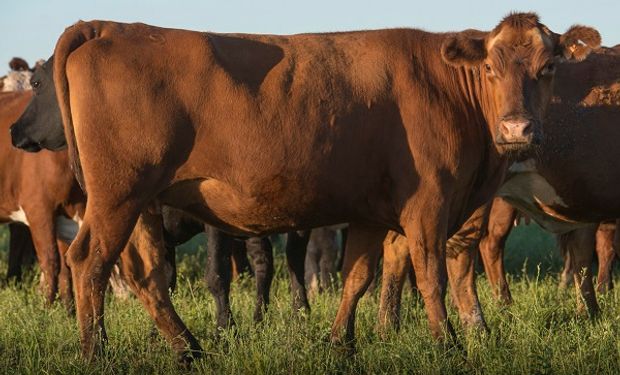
171	258
364	246
566	277
147	271
312	269
605	253
396	265
239	260
296	247
492	245
344	233
327	261
65	287
260	252
218	274
580	244
42	227
21	250
461	251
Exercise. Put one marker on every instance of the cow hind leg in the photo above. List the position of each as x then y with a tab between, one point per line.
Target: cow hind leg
147	270
219	274
261	254
364	246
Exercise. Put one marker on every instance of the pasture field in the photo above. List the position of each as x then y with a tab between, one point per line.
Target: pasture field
539	334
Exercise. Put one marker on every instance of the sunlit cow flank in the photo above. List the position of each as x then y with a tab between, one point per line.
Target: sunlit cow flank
389	129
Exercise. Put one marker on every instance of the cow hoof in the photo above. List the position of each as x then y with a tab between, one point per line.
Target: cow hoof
341	345
258	315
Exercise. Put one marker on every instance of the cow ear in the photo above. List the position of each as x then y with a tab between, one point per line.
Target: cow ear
577	43
463	49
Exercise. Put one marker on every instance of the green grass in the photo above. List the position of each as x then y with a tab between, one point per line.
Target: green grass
539	334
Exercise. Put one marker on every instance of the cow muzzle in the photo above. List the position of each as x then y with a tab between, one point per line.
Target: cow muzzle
19	140
516	132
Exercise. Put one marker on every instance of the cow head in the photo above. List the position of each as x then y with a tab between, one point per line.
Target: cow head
40	126
515	64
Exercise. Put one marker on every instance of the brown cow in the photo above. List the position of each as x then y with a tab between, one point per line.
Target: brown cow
390	129
35	190
569	185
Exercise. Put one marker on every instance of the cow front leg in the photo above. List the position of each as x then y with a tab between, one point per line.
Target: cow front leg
219	275
427	242
396	266
260	252
147	270
296	247
42	227
364	245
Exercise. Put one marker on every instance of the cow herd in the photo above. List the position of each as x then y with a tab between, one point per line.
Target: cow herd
139	137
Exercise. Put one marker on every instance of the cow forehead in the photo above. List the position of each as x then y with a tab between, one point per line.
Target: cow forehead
517	39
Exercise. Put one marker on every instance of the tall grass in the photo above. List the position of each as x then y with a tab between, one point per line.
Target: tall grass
539	334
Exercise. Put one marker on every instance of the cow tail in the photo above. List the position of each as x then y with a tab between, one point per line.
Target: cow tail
73	37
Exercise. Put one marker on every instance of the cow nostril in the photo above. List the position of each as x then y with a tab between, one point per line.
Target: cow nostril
527	128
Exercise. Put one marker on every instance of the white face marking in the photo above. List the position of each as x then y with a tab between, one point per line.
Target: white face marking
19	216
531	193
66	229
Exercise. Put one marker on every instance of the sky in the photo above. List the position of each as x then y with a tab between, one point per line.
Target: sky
30	28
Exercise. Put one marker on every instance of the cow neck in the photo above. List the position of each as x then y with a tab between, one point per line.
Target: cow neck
478	113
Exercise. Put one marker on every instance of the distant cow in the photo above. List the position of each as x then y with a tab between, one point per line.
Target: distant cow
390	129
18	79
36	190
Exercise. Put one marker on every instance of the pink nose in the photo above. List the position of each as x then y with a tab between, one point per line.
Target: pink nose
515	130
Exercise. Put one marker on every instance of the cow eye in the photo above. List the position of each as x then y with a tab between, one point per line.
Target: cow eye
488	69
36	84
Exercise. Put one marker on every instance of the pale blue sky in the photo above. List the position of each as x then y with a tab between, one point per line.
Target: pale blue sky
30	28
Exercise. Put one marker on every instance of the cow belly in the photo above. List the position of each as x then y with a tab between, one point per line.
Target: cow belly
239	212
531	193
